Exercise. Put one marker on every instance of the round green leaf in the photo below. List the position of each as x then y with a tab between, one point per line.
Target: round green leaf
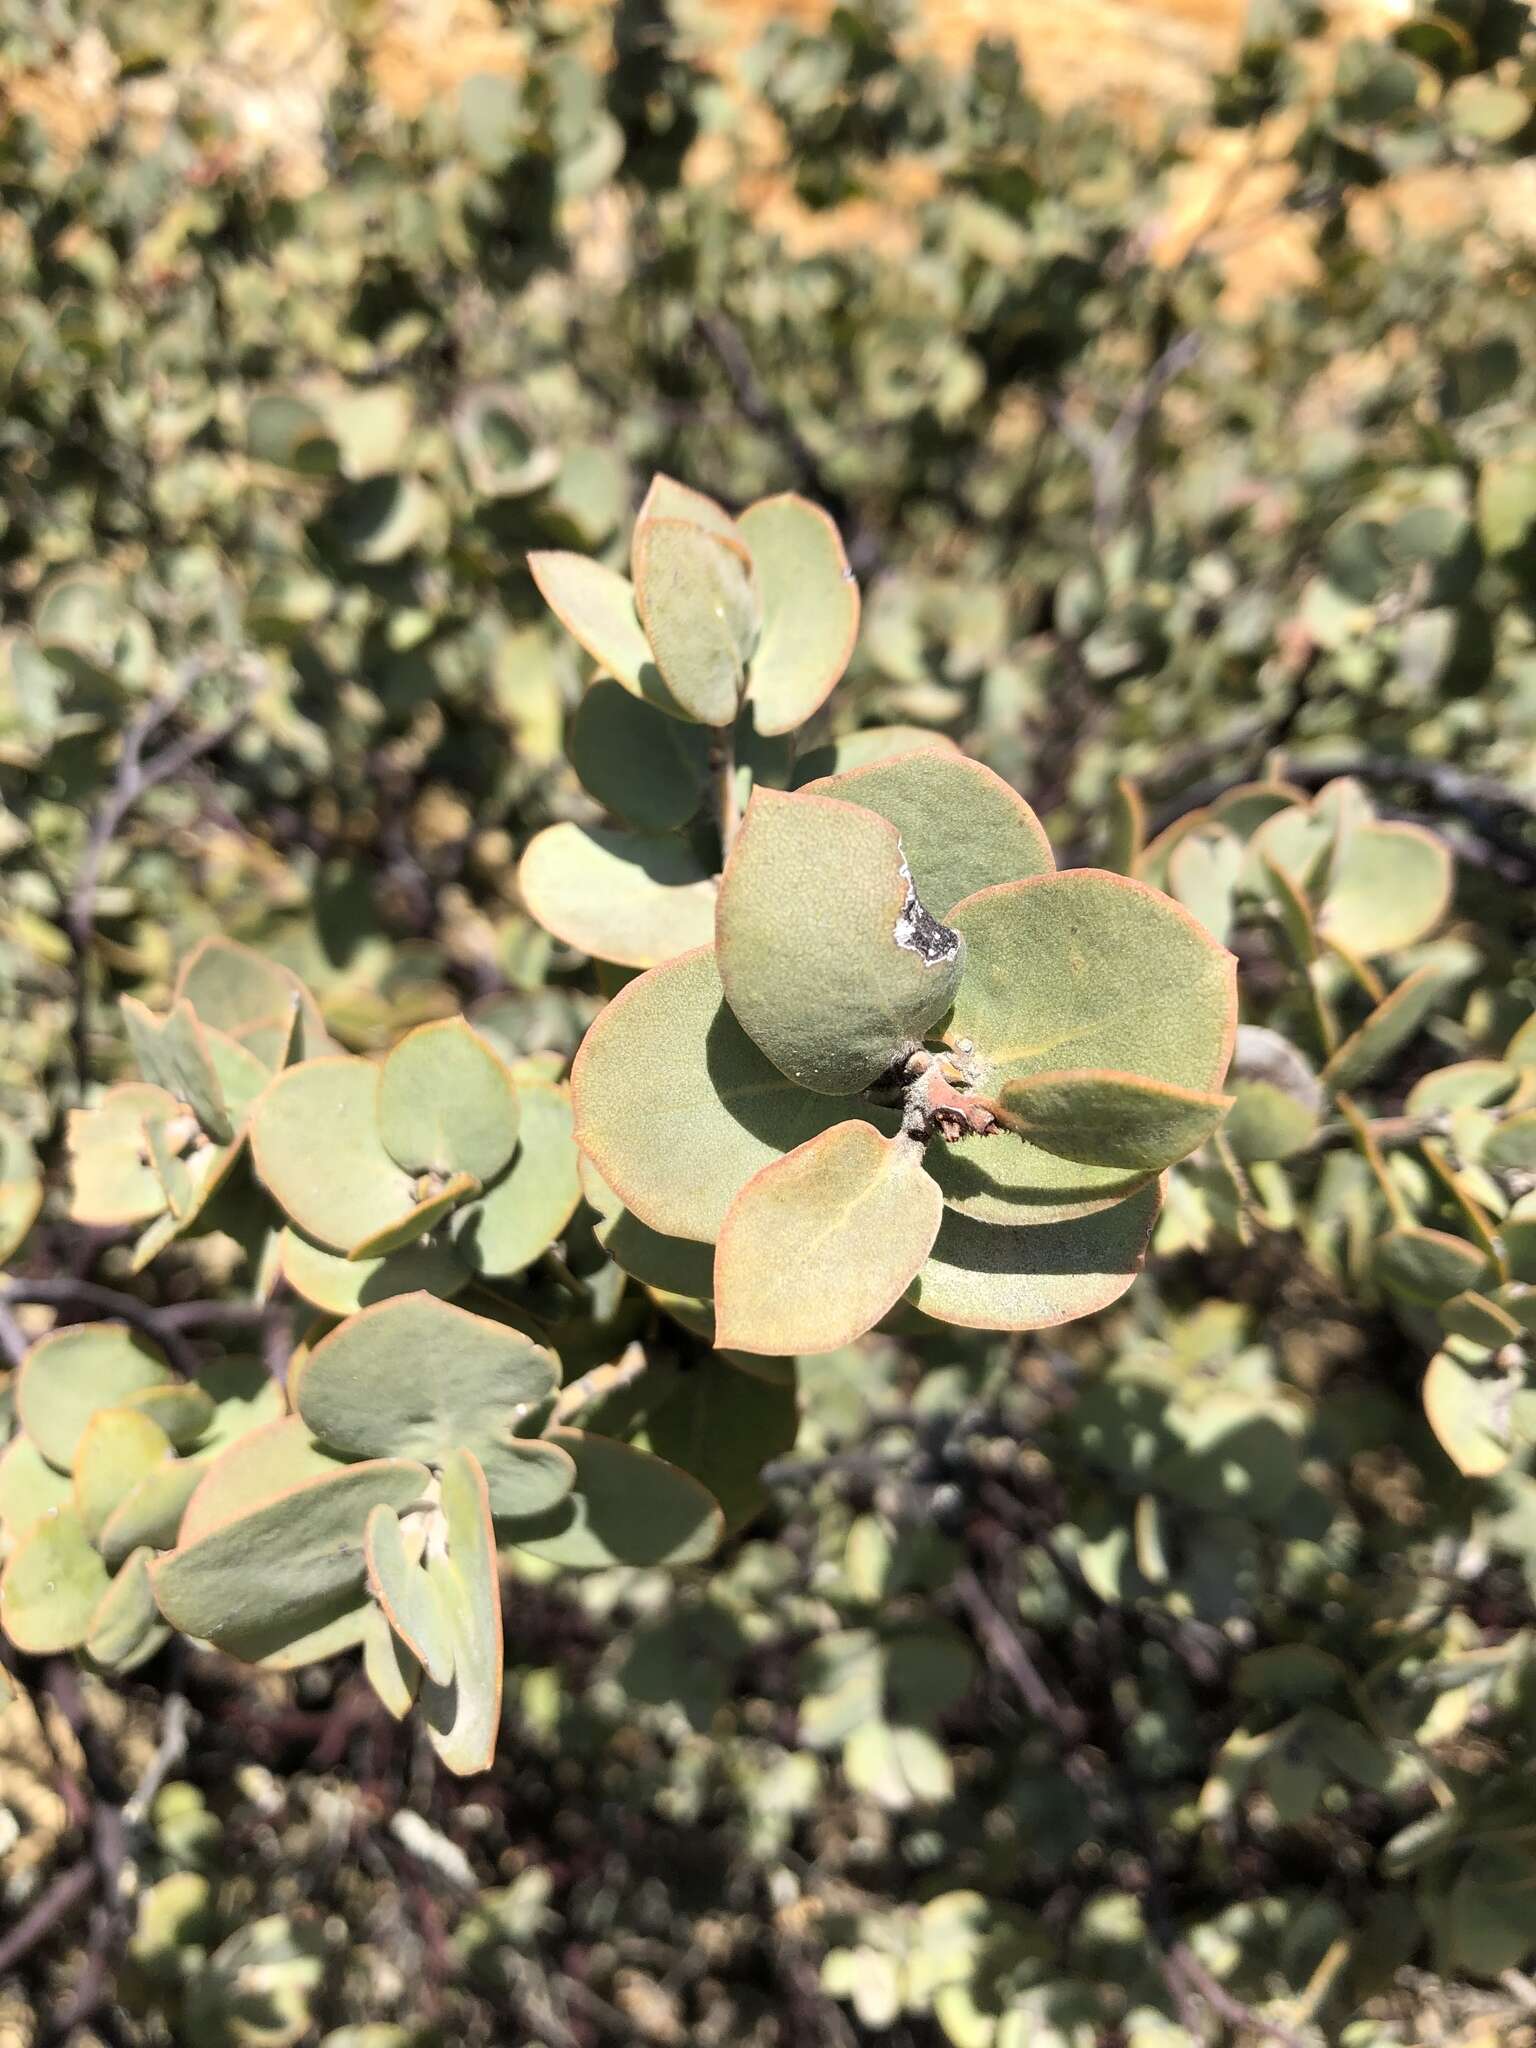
1469	1411
342	1286
810	609
463	1716
627	1508
990	1278
1203	872
1390	886
700	614
29	1487
259	1466
675	1105
112	1179
258	1584
829	960
315	1139
180	1408
71	1375
243	993
820	1244
117	1447
411	1602
520	1216
647	768
150	1511
388	1665
173	1054
51	1586
620	896
723	1425
125	1629
1390	1026
416	1377
1429	1266
676	1265
596	606
21	1188
1112	1119
961	827
447	1103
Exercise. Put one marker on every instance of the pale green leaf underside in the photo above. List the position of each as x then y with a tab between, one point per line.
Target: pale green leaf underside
71	1375
345	1190
1113	1119
463	1717
398	1580
447	1103
1389	888
627	1508
819	1245
1031	1278
677	1108
520	1215
634	898
699	612
810	609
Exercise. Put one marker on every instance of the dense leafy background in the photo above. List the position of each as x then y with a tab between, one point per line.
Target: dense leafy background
305	345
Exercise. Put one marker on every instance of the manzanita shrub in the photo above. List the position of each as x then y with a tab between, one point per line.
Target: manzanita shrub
912	1068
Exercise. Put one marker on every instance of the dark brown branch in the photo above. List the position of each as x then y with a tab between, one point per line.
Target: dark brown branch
165	1325
64	1896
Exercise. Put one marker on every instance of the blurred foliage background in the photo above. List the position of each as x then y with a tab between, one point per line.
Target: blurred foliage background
1170	377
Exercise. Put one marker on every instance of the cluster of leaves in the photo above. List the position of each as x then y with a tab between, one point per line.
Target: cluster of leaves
1164	1672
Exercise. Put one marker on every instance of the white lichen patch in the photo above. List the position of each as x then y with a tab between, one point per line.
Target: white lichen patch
917	931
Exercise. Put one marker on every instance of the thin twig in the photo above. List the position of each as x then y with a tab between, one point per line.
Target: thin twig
1005	1649
169	1751
722	761
63	1897
165	1325
135	776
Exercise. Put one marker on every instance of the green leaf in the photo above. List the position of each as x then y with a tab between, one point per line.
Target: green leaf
521	1215
125	1629
173	1054
51	1586
666	498
1429	1266
1469	1411
1390	886
429	1210
1203	873
463	1716
180	1408
150	1512
675	1105
29	1487
259	1466
1112	1119
647	768
71	1375
243	993
411	1602
596	606
700	613
985	1277
627	1508
342	1286
1390	1026
287	1568
21	1188
447	1103
724	1425
1511	1147
117	1447
417	1378
810	609
388	1665
829	961
624	896
112	1180
820	1244
1091	968
962	828
315	1139
676	1265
